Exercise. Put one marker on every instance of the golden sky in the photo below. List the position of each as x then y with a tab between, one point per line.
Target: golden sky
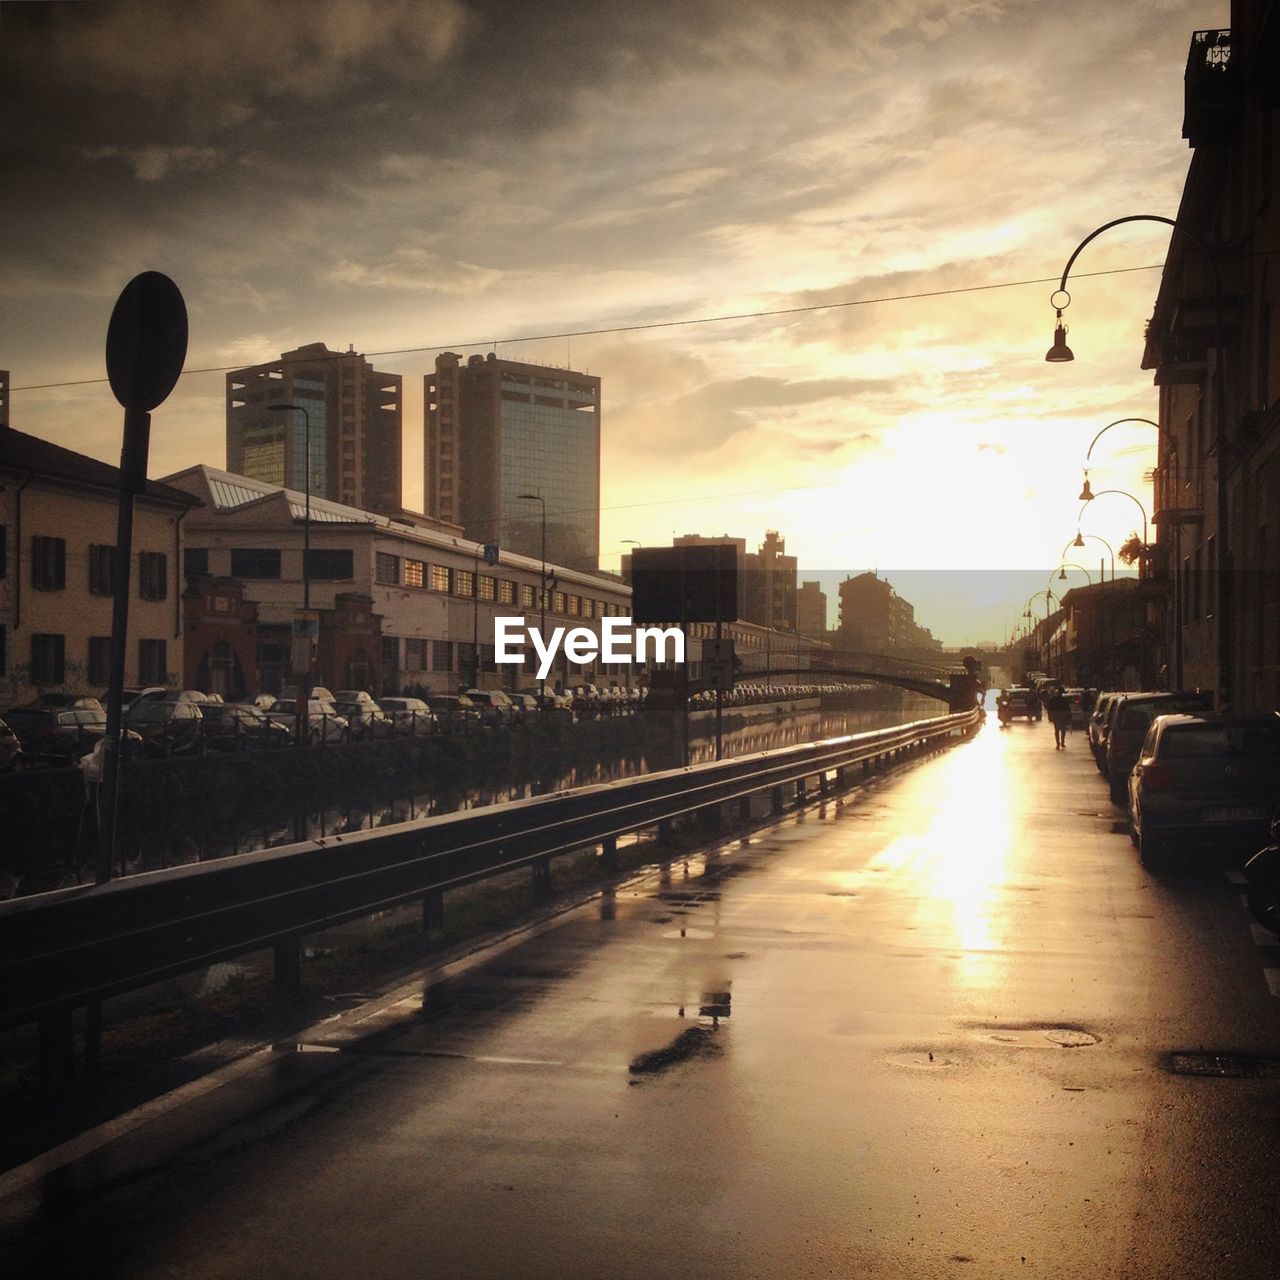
460	174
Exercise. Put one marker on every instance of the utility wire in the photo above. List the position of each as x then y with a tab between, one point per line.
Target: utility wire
655	324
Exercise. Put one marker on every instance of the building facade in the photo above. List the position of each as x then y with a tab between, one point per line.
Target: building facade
351	429
58	514
496	429
1212	344
401	604
811	610
875	619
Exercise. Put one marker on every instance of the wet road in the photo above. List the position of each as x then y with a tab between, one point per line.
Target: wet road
921	1032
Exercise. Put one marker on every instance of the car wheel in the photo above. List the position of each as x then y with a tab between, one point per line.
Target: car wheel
1151	852
1264	905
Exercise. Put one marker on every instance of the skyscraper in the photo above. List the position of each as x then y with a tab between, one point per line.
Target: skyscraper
496	429
355	421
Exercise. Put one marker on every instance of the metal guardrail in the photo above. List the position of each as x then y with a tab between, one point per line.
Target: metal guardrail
73	947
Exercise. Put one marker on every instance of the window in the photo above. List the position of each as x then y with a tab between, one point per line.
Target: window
153	575
588	607
390	657
439	578
49	564
195	561
488	587
462	582
414	573
100	660
387	569
559	605
153	662
415	654
466	657
47	656
255	562
330	566
102	569
506	592
575	606
528	596
442	655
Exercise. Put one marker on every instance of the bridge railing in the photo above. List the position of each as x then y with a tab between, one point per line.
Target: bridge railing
76	946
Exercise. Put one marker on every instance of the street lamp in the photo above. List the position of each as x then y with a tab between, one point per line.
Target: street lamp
1060	299
542	594
1062	571
306	522
1078	541
1125	494
1086	493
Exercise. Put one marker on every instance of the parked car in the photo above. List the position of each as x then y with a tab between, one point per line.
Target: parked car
493	704
263	701
525	703
1097	727
12	756
66	702
136	693
49	735
167	727
454	710
1204	782
324	723
1075	702
1130	718
366	718
411	716
237	726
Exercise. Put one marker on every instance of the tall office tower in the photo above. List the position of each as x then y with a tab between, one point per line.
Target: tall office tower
496	429
354	417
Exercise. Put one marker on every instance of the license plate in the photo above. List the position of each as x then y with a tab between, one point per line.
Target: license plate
1234	813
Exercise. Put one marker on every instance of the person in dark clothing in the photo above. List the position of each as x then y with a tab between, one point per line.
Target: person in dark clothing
1059	710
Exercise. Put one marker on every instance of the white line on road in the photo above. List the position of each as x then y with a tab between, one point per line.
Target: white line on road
1273	980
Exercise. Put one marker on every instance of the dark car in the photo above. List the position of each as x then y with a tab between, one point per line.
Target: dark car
50	735
365	718
1022	702
1097	727
235	726
1130	717
66	702
454	710
12	756
1204	782
167	728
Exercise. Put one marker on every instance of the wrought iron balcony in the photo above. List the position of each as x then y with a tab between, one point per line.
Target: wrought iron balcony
1176	496
1211	86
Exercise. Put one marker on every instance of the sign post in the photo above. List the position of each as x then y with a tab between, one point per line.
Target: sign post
146	345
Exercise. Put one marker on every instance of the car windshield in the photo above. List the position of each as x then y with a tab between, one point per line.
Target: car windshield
151	712
1185	742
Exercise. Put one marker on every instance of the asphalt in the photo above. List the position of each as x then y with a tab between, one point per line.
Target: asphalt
939	1027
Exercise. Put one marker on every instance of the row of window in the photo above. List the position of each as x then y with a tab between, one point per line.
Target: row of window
258	563
395	571
49	569
411	654
49	660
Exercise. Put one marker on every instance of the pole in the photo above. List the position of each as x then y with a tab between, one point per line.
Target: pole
719	691
475	619
137	428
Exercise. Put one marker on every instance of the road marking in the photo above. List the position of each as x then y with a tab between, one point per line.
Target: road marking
1263	937
1273	980
1237	877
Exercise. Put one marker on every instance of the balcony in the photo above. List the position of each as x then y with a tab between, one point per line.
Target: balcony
1176	496
1212	88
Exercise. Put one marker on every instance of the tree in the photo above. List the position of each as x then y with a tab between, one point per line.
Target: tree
1132	550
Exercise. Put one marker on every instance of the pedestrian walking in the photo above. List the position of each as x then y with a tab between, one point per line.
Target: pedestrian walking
1059	710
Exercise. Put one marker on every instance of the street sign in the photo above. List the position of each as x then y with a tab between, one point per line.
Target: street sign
718	664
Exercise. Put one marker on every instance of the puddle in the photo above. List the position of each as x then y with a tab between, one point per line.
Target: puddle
1038	1037
693	1042
923	1059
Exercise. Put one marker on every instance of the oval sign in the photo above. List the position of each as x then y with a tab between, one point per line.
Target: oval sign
146	341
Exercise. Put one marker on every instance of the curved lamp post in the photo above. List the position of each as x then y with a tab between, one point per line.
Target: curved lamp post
1123	493
1061	571
1059	353
1078	541
1085	493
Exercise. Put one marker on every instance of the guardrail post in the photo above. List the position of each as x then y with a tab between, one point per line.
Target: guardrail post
542	877
666	832
779	803
433	912
744	808
842	780
800	791
57	1045
287	970
609	855
822	783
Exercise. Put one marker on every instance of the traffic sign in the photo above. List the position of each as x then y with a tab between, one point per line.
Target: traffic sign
718	664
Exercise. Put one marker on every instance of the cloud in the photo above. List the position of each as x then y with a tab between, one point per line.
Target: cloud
151	164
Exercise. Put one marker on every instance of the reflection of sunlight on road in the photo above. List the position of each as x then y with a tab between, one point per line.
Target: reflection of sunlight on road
970	840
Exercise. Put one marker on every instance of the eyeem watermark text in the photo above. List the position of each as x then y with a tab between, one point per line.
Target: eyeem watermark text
618	641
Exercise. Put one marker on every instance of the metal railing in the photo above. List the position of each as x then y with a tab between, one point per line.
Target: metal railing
73	947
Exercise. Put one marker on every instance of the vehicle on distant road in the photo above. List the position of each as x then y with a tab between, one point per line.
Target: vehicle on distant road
167	727
411	716
236	726
1022	702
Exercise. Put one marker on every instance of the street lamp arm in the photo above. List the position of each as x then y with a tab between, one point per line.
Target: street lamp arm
1108	427
1124	493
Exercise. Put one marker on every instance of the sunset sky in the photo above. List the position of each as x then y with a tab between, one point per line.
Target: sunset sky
455	174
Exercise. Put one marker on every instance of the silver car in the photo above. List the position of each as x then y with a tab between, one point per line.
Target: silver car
1204	782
